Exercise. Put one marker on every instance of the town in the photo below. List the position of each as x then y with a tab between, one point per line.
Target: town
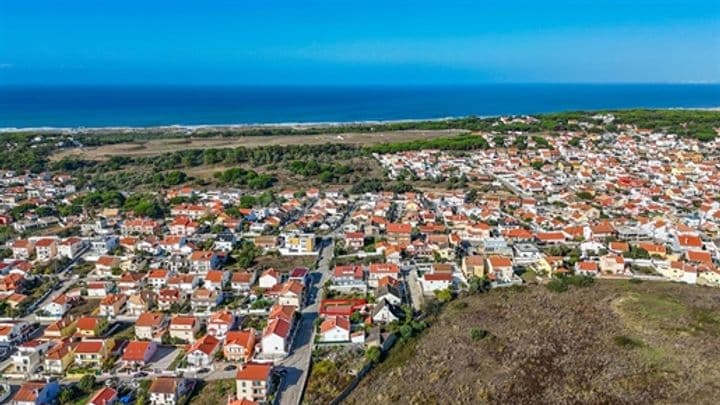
104	305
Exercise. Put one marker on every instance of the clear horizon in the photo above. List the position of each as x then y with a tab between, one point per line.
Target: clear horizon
323	42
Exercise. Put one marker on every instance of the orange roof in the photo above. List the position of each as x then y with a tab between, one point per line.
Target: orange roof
292	286
399	228
548	236
106	261
104	396
689	240
45	242
89	346
241	277
158	273
500	261
222	317
214	276
438	276
136	350
282	311
588	266
277	326
183	320
620	246
87	323
206	344
150	319
254	372
384	268
28	392
243	338
343	322
699	256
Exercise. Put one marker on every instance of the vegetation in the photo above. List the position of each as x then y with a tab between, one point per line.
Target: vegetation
618	342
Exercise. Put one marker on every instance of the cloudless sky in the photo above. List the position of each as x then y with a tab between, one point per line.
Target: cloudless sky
358	42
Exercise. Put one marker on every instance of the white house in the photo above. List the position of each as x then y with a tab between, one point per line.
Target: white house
202	352
269	278
335	329
274	339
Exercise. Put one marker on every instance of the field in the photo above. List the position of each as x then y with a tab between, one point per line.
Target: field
611	342
213	392
160	146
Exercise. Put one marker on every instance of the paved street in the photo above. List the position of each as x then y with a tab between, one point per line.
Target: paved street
297	364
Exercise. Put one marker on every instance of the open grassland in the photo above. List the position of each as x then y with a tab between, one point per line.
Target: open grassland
613	342
160	146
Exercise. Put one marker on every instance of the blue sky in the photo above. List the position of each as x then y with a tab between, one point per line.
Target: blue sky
358	42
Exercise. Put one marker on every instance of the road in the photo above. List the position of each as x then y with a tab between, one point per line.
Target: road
297	364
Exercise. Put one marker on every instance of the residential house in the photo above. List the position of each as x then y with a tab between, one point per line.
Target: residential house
202	352
292	294
499	268
140	302
23	249
385	312
113	305
220	323
92	353
166	390
204	300
151	326
241	281
274	341
298	244
202	261
46	249
269	278
36	393
587	268
104	396
184	328
253	382
59	358
28	357
380	270
216	279
239	345
91	326
335	329
168	297
348	278
473	266
612	264
139	353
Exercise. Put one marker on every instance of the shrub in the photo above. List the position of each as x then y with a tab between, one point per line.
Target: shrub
478	334
557	285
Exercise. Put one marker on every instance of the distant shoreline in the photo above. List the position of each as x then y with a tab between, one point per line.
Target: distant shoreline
299	125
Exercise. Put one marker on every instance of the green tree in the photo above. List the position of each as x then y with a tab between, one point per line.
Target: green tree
87	383
444	295
373	354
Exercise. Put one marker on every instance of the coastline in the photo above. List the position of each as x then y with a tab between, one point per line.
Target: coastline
299	125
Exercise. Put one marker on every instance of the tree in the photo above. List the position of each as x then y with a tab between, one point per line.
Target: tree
87	383
444	295
406	331
373	354
67	394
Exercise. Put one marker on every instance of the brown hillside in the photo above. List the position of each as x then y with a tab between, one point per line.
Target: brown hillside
613	342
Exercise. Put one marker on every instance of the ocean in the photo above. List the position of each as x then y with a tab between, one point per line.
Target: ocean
134	106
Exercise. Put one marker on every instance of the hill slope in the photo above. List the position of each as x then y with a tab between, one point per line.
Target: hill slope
612	342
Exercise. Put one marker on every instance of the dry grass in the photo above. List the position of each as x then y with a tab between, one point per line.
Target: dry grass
613	342
160	146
